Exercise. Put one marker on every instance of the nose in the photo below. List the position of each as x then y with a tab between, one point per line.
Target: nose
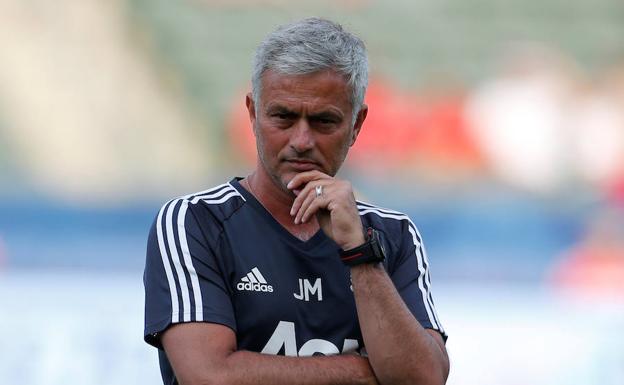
301	137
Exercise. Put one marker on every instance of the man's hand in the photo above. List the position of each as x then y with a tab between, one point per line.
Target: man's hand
335	207
400	350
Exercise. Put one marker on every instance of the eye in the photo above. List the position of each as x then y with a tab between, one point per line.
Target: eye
325	120
282	115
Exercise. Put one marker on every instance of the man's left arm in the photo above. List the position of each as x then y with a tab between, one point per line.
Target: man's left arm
400	349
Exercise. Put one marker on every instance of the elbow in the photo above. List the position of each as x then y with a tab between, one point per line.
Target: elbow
420	380
435	379
436	375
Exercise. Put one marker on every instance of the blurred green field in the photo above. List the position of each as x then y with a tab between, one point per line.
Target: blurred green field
207	45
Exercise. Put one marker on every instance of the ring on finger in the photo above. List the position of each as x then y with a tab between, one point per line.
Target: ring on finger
318	190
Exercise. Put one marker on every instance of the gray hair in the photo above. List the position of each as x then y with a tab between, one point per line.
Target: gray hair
311	45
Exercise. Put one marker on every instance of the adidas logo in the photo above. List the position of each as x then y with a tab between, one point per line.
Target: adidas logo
254	281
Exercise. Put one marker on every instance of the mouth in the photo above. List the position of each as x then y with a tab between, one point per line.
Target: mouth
301	165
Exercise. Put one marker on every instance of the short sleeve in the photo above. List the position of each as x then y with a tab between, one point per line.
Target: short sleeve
412	280
182	278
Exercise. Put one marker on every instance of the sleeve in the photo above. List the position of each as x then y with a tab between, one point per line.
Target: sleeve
411	278
182	278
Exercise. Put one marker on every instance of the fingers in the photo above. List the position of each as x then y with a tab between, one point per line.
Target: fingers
306	196
303	186
335	207
310	202
302	179
316	204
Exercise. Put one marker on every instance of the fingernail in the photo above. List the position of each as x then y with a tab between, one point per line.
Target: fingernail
289	185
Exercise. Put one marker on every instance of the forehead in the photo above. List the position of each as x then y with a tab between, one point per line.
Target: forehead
322	88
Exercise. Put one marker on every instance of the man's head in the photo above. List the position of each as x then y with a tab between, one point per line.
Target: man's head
306	104
312	45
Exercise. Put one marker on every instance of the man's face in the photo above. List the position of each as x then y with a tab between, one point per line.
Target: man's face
302	123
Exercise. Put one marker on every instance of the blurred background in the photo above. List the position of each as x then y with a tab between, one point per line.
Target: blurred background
498	126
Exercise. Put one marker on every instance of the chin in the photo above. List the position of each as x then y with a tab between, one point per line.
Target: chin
285	178
282	179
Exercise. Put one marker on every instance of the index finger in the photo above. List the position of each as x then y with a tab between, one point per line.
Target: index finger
304	177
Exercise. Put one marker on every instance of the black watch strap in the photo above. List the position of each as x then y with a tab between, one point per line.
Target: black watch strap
369	252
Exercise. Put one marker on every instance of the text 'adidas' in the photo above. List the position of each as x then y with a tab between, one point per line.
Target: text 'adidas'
254	281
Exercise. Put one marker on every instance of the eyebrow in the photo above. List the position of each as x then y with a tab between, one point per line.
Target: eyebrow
330	113
279	109
326	115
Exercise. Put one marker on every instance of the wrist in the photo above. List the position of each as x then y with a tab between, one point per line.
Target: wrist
369	252
355	241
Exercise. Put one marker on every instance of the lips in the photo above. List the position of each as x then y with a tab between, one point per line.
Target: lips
302	164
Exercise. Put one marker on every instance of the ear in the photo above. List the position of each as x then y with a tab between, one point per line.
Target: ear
251	109
359	120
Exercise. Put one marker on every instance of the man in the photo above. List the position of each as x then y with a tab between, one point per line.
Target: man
282	277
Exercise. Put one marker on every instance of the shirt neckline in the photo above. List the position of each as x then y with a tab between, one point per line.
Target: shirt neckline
317	239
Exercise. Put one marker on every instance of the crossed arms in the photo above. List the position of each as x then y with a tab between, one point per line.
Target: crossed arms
400	350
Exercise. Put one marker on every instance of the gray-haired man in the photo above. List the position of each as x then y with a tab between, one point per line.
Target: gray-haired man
282	277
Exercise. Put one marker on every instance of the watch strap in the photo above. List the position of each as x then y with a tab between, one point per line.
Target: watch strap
370	251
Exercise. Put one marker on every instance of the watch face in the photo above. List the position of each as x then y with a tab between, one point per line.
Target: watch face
380	244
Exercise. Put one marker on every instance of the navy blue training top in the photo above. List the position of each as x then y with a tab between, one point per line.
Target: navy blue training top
219	256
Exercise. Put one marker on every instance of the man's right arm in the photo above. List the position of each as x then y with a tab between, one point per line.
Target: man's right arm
203	353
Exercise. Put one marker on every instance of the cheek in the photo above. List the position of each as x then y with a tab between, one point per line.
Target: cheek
335	149
270	142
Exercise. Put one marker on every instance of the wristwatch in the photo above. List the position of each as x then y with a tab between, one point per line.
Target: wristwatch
370	252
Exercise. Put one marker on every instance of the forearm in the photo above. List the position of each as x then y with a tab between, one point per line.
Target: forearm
269	369
245	367
400	350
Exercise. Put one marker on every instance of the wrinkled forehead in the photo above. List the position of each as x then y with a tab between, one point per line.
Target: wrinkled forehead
325	84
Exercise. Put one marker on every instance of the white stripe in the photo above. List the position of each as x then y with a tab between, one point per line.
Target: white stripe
420	248
252	278
171	247
239	194
213	195
245	279
363	206
419	259
188	262
186	306
175	258
175	310
259	275
223	199
423	250
210	190
398	216
423	274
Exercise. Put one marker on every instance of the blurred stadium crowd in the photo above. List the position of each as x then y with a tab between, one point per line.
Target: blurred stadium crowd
499	127
119	105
